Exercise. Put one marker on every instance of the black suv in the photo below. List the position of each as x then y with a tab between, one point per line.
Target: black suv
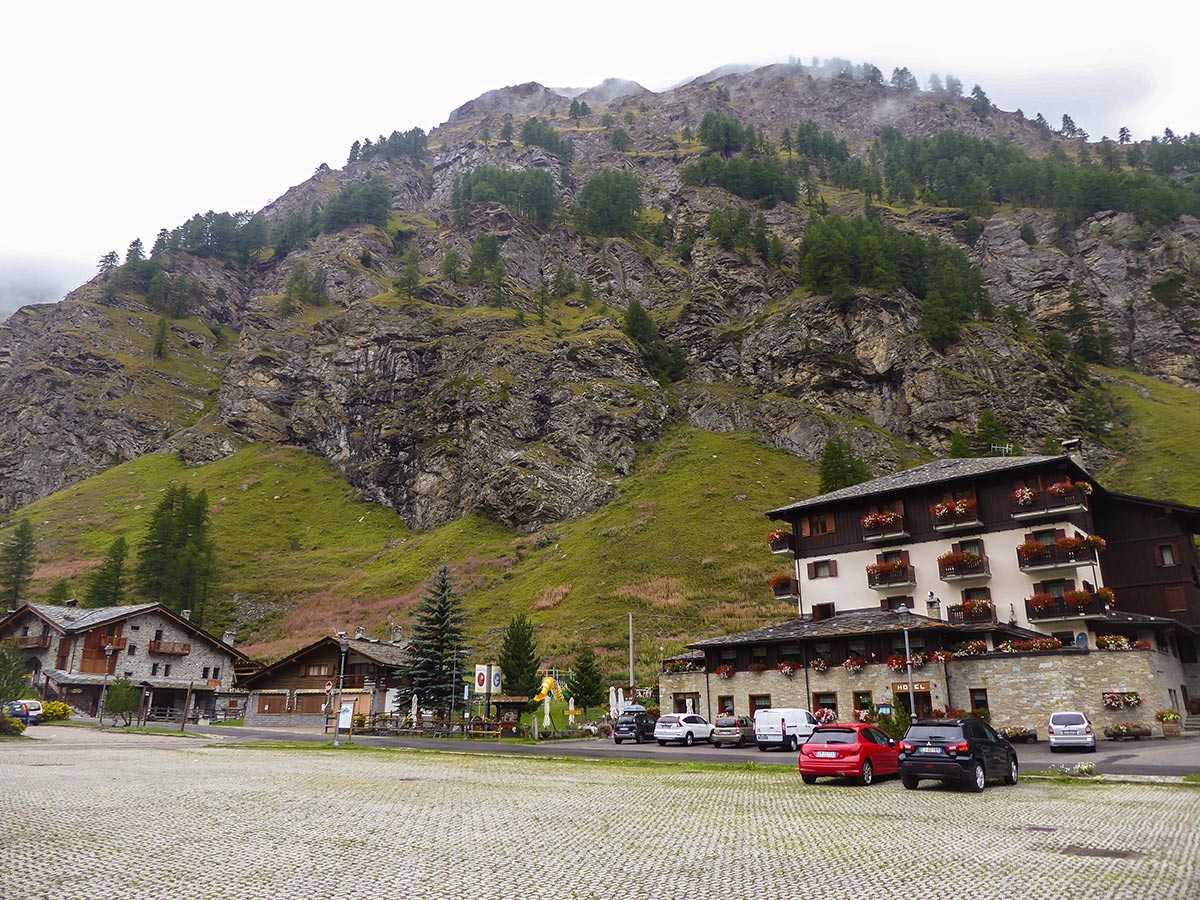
634	726
968	751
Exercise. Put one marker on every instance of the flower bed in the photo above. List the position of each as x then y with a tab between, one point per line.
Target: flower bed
1018	734
900	664
1065	489
1037	645
1123	730
1070	544
941	656
1168	715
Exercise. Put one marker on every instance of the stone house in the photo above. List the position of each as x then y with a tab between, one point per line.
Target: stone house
71	653
1012	548
292	691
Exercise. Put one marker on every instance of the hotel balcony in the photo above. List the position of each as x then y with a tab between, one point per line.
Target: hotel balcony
1052	557
1045	504
965	571
899	577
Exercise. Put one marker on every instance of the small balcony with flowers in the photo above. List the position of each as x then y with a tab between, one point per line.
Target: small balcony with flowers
1065	553
972	612
955	515
1071	605
782	542
1057	499
884	526
960	565
785	587
888	575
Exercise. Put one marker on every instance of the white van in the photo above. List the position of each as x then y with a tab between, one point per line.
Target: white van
786	728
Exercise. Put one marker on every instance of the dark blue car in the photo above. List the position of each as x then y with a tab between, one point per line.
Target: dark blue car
17	710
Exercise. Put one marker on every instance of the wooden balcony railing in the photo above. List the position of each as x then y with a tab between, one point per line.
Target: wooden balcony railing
959	571
171	648
1052	557
785	590
957	615
887	532
1045	503
1060	609
903	576
34	642
784	545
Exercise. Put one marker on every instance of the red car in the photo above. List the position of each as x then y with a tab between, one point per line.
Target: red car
855	749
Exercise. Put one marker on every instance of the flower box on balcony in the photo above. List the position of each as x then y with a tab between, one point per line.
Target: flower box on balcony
958	614
1030	558
882	526
781	542
1071	604
958	565
1058	498
785	587
953	515
890	575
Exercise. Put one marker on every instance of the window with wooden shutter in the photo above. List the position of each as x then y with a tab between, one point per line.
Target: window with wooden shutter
1176	602
1165	556
812	571
310	703
272	704
833	568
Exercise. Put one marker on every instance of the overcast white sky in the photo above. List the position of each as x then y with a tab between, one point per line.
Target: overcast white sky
120	118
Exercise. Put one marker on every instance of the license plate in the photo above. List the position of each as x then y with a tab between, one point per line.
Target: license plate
826	754
930	750
1070	731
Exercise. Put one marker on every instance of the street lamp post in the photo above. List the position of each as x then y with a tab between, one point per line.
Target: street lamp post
905	614
108	652
344	646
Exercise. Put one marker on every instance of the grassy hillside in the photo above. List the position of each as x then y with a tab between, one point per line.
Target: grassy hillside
681	546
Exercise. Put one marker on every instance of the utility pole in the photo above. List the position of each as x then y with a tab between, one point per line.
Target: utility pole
632	683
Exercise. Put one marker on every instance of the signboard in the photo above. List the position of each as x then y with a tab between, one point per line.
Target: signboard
345	716
481	679
901	687
328	688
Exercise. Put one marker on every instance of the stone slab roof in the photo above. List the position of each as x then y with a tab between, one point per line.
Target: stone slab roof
75	618
936	472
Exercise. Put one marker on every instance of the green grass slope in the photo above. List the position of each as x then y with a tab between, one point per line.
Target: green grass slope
681	547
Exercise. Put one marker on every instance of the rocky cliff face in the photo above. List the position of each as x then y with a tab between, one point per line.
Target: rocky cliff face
444	402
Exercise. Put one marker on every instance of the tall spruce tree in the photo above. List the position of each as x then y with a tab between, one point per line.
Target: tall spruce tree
587	684
437	652
176	557
840	466
106	586
519	658
16	564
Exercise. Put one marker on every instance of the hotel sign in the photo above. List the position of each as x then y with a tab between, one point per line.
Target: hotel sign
901	687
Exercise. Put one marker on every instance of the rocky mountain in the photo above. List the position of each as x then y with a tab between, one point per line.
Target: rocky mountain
494	395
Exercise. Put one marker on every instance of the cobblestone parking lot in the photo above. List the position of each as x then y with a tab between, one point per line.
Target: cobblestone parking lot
84	815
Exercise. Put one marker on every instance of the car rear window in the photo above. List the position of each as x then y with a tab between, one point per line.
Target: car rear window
833	736
626	720
727	722
940	734
1067	719
669	720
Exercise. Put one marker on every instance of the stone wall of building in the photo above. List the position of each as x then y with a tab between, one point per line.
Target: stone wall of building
1022	688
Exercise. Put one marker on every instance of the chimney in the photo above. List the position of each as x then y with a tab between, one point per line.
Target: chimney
397	634
359	634
1073	448
185	614
229	637
70	601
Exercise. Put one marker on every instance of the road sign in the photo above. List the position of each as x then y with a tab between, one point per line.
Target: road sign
329	687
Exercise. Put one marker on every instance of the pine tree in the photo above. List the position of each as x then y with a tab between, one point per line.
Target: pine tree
587	684
519	658
122	699
437	652
13	683
105	586
840	466
960	445
176	559
16	564
60	593
160	338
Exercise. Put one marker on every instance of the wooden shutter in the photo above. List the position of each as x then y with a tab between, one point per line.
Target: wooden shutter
956	548
833	568
1175	599
1037	588
812	571
829	529
806	527
1158	557
884	603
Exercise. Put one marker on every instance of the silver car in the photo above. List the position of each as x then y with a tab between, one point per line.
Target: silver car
1071	729
731	729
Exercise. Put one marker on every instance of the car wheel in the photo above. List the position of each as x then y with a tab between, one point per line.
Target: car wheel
1011	776
868	775
762	748
617	740
688	740
978	778
909	781
1053	749
809	779
662	743
1092	749
741	742
793	743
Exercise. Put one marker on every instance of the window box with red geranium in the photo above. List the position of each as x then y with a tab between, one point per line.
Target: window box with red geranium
950	514
978	609
889	573
1077	600
971	648
787	669
1031	549
1070	544
959	564
825	716
757	668
1066	489
853	664
1042	602
781	541
1024	496
897	663
1096	542
784	586
877	520
819	664
725	671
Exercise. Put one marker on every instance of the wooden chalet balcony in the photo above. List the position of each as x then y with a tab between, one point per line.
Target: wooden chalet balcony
787	589
894	531
34	642
1052	557
118	643
963	571
904	576
1060	609
954	523
784	545
171	648
957	615
1048	504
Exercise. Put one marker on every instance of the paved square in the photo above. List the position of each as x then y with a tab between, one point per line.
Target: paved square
174	819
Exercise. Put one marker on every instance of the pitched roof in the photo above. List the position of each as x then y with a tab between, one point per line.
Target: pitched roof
851	623
383	652
75	618
936	472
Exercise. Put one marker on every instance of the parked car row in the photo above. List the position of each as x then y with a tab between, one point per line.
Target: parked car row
783	728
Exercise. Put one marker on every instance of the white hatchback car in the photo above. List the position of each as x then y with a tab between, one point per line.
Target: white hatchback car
1071	729
686	728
